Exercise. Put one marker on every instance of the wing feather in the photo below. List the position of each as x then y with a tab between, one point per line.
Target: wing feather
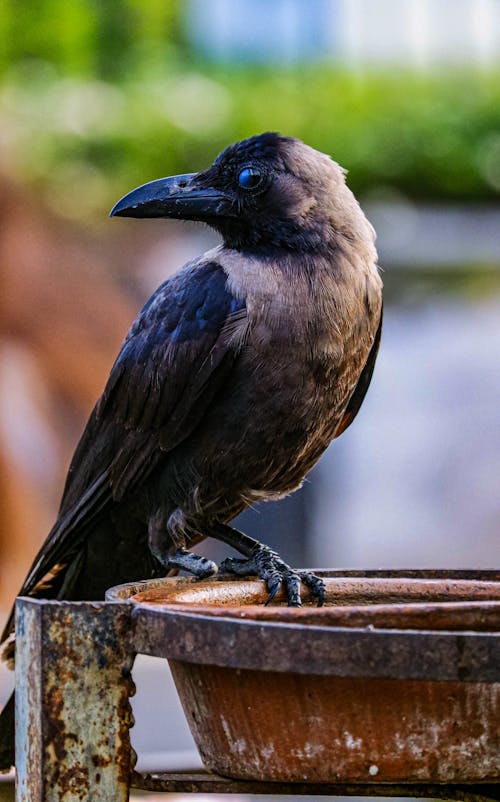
177	354
361	388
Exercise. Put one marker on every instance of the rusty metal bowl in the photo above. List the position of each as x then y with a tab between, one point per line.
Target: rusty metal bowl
396	679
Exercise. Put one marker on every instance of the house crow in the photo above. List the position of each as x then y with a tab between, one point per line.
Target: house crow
232	381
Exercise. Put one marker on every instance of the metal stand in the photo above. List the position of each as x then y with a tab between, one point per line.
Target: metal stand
73	664
73	682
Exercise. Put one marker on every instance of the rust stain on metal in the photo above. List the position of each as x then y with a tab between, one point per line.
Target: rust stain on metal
53	722
125	755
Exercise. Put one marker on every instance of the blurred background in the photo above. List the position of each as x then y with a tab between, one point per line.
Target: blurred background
96	98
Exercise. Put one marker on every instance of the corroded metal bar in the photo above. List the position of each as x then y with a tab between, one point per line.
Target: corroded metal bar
202	782
341	652
73	664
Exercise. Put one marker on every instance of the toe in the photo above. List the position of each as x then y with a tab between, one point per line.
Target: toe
206	568
234	565
315	585
292	582
200	567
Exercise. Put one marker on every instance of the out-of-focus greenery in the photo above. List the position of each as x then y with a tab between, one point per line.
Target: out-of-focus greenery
106	96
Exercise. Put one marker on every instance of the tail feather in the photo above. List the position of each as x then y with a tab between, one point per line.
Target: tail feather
7	738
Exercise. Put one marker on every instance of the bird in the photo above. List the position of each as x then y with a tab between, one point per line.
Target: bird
232	381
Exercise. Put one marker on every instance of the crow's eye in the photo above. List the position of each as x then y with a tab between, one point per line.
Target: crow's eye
249	178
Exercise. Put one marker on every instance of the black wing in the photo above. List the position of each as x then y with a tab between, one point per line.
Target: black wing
362	386
176	356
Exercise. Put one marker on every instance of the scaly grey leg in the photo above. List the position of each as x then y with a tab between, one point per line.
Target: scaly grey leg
263	562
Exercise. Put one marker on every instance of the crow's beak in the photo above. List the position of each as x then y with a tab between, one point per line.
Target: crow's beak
177	196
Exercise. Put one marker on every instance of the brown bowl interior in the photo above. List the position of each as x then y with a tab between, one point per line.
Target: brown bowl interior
391	602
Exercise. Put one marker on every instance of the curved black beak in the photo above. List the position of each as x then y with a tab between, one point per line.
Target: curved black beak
180	196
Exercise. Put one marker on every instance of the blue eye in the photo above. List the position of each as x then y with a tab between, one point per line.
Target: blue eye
249	178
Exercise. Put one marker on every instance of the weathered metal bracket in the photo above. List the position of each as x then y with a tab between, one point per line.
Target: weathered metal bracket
73	664
73	683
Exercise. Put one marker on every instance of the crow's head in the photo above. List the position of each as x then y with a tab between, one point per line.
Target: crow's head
269	191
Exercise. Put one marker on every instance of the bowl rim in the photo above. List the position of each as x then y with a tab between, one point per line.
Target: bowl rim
178	633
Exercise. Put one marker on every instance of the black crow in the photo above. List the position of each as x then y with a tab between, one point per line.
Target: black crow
232	381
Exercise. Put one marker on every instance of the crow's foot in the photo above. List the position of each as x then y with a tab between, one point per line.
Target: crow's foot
267	565
200	567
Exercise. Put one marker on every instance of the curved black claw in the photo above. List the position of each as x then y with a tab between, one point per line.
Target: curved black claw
267	565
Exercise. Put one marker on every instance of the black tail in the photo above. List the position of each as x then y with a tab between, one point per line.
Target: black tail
7	735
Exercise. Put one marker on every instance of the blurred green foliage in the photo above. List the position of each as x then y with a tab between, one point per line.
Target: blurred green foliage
108	95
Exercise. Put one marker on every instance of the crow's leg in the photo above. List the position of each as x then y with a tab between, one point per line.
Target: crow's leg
263	562
167	541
